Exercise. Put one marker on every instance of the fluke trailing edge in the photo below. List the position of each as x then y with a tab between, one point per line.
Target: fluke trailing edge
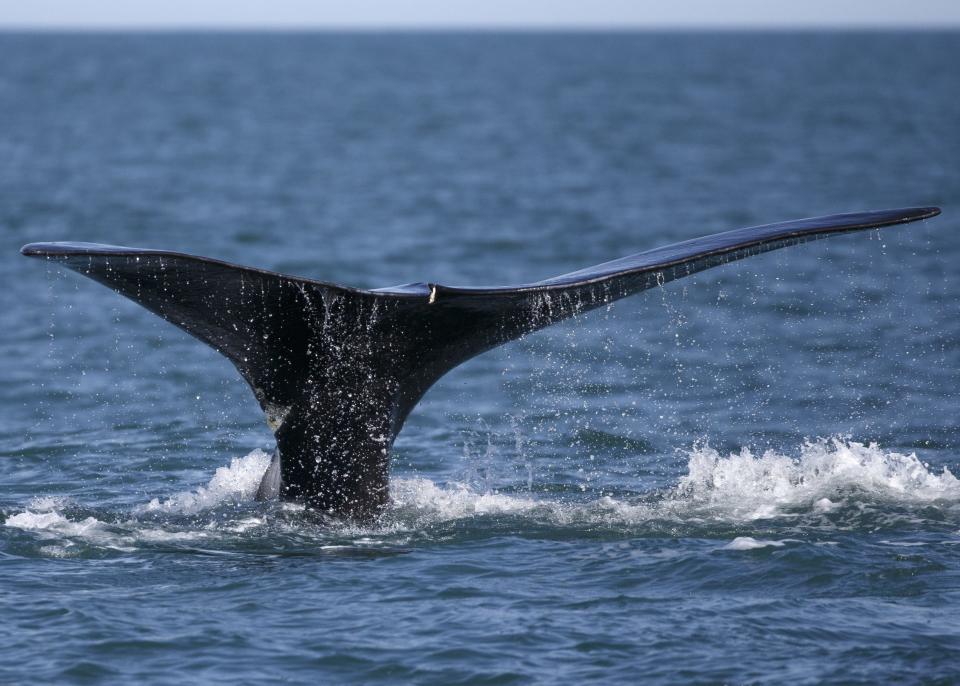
337	370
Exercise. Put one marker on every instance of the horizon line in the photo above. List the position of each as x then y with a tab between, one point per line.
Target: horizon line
474	28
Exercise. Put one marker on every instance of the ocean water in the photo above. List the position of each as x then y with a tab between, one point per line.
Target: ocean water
746	476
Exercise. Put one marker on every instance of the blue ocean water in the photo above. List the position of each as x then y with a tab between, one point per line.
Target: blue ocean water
744	476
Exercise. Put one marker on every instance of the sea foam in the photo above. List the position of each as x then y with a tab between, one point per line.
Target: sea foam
237	482
750	543
735	488
747	486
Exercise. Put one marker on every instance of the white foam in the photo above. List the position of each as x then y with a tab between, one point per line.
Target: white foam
53	522
247	524
749	543
738	487
824	505
742	486
236	483
456	500
734	488
157	535
55	526
92	531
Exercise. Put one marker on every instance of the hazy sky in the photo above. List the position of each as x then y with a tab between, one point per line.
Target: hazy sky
475	13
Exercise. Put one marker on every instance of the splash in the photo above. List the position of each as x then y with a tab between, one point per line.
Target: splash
63	534
826	479
56	524
454	501
733	489
238	482
742	486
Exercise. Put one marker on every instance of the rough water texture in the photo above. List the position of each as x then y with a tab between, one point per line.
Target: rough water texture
748	475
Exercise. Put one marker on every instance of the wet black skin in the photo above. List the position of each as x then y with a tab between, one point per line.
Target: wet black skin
337	370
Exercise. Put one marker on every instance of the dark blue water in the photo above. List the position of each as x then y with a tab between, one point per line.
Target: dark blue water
743	476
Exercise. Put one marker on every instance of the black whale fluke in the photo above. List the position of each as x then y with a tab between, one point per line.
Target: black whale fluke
337	369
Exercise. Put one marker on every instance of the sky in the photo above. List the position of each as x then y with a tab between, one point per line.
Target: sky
559	14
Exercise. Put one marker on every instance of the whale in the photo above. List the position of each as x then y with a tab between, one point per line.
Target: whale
337	370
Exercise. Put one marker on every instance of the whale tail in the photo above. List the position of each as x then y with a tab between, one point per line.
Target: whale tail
337	369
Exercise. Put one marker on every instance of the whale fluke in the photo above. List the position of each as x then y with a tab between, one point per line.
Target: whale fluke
337	369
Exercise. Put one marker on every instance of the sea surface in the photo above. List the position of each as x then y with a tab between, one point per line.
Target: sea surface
745	476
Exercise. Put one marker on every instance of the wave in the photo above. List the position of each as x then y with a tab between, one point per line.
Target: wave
825	479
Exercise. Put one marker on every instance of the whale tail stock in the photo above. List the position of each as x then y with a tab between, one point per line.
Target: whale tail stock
337	369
